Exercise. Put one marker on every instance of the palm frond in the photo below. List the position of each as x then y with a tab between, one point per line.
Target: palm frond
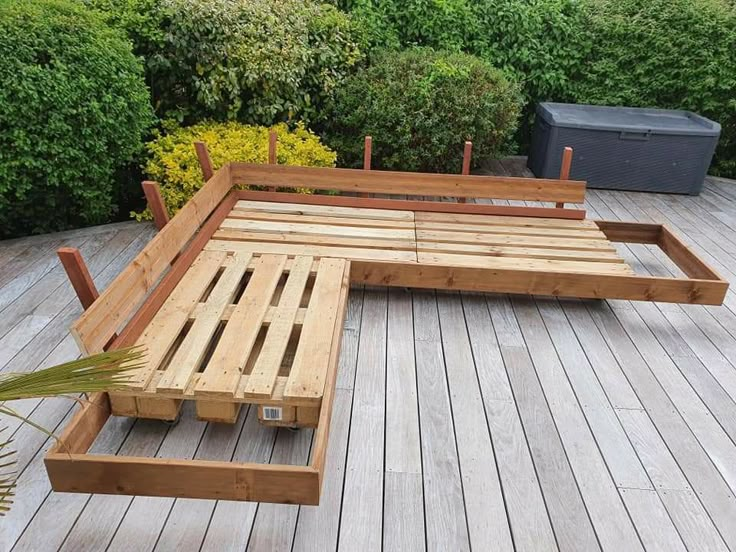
101	372
7	478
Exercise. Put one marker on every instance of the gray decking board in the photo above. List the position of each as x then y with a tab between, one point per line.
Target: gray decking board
460	420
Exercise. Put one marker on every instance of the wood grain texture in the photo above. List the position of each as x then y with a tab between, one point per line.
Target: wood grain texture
156	203
415	205
120	299
363	491
481	485
79	276
566	509
387	182
443	489
561	284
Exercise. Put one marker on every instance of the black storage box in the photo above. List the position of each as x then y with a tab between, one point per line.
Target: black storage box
625	148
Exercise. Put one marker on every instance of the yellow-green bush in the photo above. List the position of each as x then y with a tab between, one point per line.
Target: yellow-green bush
173	162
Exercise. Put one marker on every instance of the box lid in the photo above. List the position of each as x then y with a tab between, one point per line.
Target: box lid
627	119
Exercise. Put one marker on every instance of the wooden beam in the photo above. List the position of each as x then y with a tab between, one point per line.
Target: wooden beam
85	425
156	203
630	232
367	152
467	154
272	141
205	162
684	258
565	169
322	433
423	184
531	282
412	205
169	477
79	276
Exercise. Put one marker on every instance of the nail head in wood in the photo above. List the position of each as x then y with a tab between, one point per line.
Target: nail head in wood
156	203
205	162
79	276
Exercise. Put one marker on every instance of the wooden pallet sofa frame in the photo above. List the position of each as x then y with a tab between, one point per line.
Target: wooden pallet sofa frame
221	218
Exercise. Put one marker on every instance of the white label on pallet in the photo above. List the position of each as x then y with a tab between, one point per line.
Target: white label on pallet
272	413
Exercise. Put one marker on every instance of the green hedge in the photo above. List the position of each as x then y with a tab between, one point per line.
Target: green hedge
540	42
173	162
420	106
254	61
654	53
73	110
677	54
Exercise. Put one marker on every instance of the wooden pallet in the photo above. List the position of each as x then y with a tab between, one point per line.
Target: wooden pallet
242	328
241	298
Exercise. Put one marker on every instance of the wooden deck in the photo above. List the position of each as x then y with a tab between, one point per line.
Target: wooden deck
460	420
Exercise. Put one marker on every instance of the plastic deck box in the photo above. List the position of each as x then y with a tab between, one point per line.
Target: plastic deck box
625	148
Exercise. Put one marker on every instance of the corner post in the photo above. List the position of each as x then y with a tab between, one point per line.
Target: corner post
467	155
205	162
156	203
272	141
367	153
565	169
79	276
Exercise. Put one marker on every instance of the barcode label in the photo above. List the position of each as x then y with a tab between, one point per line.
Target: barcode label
272	413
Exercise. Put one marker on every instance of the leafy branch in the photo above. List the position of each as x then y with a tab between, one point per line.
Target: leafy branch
101	372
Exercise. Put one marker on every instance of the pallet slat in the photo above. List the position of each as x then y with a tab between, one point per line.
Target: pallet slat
324	210
222	374
263	377
307	377
191	352
169	321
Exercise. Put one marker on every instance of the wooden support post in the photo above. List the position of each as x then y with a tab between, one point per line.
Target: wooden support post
272	141
367	152
565	169
204	160
467	154
79	276
156	203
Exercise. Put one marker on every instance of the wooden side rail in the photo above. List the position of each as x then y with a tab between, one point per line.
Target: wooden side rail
558	284
120	300
668	242
422	184
71	469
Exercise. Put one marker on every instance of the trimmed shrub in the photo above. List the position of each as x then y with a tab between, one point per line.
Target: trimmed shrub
678	54
420	106
173	162
254	61
73	109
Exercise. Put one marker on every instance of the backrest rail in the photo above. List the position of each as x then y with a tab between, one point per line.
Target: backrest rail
417	184
123	296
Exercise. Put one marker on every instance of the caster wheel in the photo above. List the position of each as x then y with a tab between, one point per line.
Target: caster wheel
172	423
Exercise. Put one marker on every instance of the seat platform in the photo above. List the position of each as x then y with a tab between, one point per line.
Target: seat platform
242	328
241	298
